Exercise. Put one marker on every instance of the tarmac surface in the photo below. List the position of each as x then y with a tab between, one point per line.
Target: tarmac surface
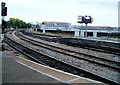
0	66
13	72
16	69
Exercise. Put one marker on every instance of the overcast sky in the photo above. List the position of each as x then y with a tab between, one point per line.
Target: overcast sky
104	12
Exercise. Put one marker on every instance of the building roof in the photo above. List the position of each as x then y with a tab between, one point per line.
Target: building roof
54	23
94	27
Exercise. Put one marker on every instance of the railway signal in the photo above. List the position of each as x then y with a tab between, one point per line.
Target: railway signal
3	24
3	14
4	11
85	19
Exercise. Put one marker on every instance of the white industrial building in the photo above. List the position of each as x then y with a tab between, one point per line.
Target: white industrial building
55	26
94	31
79	31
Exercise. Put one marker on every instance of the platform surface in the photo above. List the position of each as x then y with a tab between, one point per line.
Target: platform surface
104	39
14	72
16	69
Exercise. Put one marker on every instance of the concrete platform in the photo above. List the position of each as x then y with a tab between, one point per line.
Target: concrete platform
103	39
16	69
14	72
101	42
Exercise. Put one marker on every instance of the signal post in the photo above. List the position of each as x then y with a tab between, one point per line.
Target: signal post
85	19
3	22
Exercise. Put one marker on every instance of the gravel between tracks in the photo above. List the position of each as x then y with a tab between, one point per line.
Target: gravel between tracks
106	72
81	50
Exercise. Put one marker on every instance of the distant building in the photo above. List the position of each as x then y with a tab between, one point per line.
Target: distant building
55	26
79	31
95	31
92	27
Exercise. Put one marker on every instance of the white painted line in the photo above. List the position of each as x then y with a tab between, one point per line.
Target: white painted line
41	72
48	67
15	35
73	79
59	70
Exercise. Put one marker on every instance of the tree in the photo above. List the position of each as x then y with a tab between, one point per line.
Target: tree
17	23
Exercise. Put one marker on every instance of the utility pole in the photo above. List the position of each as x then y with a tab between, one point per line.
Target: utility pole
3	24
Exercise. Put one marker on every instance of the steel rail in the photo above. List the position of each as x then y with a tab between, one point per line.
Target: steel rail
111	64
19	46
99	49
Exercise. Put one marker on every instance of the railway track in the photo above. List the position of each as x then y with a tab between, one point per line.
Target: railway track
51	38
49	60
78	55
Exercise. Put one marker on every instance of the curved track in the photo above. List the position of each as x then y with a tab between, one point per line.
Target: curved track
83	56
32	53
51	38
